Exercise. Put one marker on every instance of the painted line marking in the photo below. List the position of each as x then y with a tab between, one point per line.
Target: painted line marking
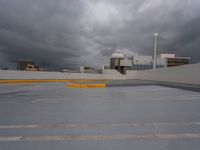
18	126
188	98
101	137
193	95
16	81
48	100
98	125
175	98
10	139
151	99
148	99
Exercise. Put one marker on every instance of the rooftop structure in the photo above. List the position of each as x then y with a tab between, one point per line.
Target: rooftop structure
117	55
166	55
115	62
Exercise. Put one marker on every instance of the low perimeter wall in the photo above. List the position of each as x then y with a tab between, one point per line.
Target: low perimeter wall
26	75
187	74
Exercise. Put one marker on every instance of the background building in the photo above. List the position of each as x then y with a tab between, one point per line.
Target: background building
23	63
170	60
119	62
31	67
28	65
141	62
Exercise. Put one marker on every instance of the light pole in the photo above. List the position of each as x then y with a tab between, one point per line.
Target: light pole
155	51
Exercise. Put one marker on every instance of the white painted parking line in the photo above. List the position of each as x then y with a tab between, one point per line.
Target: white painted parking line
10	139
17	126
189	98
171	99
193	95
48	100
100	137
149	99
108	125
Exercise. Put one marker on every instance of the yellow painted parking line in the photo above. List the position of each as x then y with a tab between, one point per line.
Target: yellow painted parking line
51	80
76	85
101	137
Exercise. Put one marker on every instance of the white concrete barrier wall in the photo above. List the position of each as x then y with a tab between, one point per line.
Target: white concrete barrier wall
111	71
187	74
13	74
131	74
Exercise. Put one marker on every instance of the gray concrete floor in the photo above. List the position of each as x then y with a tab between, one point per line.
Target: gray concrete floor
50	116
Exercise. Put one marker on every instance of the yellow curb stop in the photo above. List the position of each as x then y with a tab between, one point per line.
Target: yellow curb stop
75	85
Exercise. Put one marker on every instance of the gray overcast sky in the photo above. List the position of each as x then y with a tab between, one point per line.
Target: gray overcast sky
70	33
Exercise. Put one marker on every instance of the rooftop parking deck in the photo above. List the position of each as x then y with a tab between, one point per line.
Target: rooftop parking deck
50	116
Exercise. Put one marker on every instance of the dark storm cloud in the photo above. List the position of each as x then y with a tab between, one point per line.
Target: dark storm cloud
69	33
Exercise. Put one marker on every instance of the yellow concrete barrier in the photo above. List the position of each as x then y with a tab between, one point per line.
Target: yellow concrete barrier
75	85
50	80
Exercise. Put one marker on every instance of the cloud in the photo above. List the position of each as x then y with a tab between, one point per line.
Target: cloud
67	34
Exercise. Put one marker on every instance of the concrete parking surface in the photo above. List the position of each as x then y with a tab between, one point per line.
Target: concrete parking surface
49	116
